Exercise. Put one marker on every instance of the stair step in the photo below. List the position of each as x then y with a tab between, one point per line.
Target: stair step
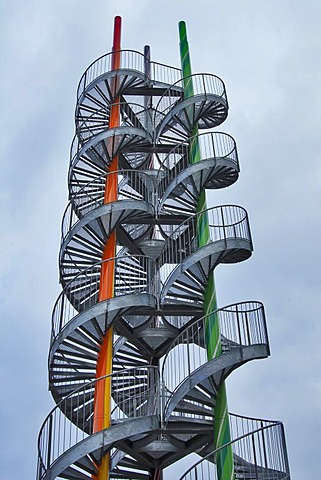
71	473
85	463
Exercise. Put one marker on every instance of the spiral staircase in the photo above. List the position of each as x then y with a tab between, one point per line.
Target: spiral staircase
163	387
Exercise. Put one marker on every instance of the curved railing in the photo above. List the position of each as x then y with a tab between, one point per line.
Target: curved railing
132	115
134	394
74	148
133	274
133	185
203	84
91	159
164	74
241	325
212	145
80	151
129	60
224	222
259	452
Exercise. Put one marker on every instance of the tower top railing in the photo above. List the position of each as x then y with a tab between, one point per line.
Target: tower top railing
130	60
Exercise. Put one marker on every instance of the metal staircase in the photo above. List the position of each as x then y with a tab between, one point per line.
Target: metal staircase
163	387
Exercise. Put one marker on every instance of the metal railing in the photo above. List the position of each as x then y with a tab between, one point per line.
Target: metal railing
164	74
132	185
134	274
204	84
134	393
79	151
132	115
258	448
241	324
224	222
130	60
74	147
92	159
212	145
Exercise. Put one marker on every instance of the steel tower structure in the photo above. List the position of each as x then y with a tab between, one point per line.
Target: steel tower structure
139	350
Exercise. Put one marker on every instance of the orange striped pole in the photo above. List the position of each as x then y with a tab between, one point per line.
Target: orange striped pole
102	403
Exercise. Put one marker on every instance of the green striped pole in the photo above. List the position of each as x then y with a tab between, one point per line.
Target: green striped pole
224	458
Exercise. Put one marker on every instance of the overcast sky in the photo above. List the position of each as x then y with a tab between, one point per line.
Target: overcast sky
268	54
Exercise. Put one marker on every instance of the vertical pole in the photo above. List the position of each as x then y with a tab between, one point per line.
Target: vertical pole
102	402
155	473
147	99
224	458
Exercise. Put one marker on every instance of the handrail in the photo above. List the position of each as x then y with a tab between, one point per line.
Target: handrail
203	84
164	74
212	145
255	419
213	148
241	324
130	60
131	186
105	63
97	145
225	222
74	148
132	114
135	393
133	273
264	451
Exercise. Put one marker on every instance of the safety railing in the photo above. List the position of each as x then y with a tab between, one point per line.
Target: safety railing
134	394
131	114
225	222
98	148
76	152
164	74
133	274
212	145
204	85
240	325
129	60
92	160
74	147
132	185
259	452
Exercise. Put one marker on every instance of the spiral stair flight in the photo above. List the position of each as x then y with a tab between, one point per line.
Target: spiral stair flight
163	387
